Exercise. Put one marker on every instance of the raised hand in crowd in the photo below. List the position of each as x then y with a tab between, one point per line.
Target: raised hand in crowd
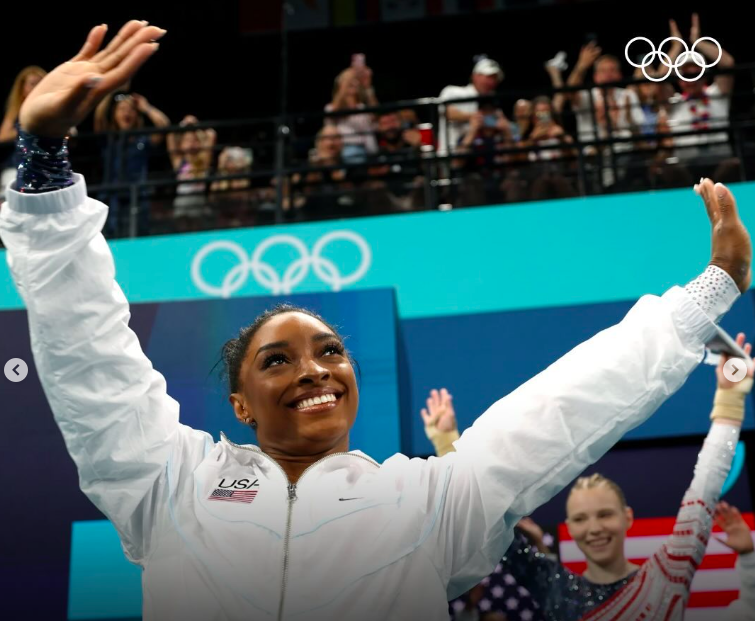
534	533
439	412
736	529
589	53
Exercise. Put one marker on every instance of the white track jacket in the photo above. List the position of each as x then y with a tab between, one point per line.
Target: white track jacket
353	540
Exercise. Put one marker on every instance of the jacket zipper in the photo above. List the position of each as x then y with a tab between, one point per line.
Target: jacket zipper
291	498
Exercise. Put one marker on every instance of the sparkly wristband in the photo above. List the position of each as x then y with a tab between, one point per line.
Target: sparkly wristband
44	163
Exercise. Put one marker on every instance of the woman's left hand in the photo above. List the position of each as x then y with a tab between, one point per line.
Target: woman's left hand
66	95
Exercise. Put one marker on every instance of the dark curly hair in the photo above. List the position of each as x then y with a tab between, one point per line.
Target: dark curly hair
234	350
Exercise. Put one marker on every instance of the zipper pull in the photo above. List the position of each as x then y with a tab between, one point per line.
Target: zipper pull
292	491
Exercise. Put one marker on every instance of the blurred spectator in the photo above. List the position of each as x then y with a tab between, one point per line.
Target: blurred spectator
547	174
522	122
191	154
486	76
352	91
615	112
397	184
25	81
321	193
488	132
232	197
552	164
233	161
126	156
546	131
703	106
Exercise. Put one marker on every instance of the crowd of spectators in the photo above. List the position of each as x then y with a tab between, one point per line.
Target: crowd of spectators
599	138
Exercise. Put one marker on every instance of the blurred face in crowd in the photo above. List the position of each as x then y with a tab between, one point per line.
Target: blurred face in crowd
485	84
351	87
190	142
523	110
598	523
329	143
125	114
543	112
292	359
389	127
693	89
606	70
29	83
649	91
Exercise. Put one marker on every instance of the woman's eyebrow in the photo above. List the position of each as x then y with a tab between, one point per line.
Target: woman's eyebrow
275	345
324	336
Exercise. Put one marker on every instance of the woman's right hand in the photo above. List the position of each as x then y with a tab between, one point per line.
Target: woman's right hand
724	383
440	411
66	95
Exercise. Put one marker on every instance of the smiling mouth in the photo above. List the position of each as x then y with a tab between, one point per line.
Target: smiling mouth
318	404
599	543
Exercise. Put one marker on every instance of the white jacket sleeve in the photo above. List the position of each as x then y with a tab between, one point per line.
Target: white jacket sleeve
532	443
117	420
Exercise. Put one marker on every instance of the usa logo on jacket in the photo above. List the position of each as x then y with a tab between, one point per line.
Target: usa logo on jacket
235	490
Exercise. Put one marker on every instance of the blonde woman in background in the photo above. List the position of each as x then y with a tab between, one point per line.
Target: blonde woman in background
191	154
24	83
353	90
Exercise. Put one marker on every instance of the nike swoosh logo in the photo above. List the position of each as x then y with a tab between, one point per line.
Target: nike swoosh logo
357	498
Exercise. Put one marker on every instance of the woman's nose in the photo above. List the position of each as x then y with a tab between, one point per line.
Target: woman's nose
312	370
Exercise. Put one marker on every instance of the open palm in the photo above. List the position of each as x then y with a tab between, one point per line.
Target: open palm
66	95
440	411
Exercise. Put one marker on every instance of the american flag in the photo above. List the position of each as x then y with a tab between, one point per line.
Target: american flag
233	495
502	594
716	583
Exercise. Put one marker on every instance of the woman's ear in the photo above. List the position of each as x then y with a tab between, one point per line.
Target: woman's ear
239	409
629	513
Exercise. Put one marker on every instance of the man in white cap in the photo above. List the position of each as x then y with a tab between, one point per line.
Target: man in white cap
486	76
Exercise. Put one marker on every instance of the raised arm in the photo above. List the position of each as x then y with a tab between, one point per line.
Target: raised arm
112	407
725	83
157	117
531	444
587	57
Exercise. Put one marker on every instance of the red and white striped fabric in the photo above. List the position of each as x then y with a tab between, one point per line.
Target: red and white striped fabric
716	583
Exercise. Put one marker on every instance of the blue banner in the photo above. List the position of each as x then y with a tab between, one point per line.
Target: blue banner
533	255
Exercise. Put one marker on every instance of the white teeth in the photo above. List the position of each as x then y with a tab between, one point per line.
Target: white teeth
308	403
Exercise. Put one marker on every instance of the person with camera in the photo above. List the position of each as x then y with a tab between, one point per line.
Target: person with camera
489	132
454	125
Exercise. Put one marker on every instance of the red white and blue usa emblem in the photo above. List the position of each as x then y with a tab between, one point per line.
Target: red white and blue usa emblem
235	490
233	495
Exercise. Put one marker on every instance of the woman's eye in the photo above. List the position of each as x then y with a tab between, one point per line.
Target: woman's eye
333	349
273	360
